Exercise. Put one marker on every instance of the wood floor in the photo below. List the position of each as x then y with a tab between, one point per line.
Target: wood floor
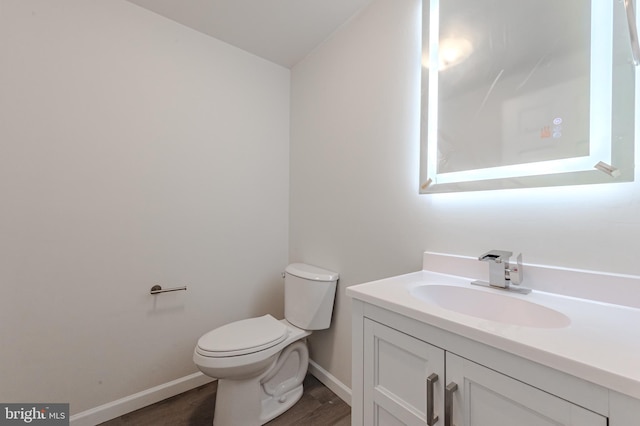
317	407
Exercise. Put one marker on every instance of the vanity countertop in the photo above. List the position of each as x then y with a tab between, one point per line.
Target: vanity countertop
601	344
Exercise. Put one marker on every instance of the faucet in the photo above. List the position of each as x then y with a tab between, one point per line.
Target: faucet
501	273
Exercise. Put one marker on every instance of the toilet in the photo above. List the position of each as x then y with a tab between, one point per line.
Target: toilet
260	362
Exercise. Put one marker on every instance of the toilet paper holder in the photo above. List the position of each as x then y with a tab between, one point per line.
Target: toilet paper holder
156	289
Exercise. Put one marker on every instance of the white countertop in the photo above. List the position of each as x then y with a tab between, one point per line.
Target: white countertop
601	345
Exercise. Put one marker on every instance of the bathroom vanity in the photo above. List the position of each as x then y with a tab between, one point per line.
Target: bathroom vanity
431	349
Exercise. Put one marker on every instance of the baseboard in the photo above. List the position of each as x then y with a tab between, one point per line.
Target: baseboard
330	381
130	403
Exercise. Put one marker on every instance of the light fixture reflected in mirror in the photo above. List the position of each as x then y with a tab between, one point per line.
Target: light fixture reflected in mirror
452	51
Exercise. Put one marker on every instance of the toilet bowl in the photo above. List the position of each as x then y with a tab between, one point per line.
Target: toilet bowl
260	363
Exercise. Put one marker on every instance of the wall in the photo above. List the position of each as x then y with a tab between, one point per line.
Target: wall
355	206
133	152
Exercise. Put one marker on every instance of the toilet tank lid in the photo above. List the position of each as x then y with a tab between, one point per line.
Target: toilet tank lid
310	272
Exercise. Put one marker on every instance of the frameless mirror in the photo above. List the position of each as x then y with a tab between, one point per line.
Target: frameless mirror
523	93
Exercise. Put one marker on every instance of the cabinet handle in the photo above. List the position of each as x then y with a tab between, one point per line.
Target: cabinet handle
431	419
448	403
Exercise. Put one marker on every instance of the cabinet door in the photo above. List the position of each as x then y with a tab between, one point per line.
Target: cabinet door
487	398
396	368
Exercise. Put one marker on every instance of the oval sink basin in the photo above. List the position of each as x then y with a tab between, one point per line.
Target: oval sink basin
491	306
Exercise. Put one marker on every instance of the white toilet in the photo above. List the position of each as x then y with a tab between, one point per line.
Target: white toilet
260	363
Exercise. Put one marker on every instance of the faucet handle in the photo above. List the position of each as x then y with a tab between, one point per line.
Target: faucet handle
516	273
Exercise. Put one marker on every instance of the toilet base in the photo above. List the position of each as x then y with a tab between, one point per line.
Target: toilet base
255	401
272	408
234	403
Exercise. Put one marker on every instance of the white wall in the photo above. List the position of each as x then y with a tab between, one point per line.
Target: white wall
354	161
355	206
133	152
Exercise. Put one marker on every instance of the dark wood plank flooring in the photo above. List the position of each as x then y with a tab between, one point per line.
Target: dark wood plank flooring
317	407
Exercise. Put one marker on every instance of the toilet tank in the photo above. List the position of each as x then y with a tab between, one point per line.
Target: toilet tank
309	292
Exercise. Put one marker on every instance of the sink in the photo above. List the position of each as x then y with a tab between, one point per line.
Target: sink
491	306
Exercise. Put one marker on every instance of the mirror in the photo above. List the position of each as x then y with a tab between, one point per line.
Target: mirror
526	93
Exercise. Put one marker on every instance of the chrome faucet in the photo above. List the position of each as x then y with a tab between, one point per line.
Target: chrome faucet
501	273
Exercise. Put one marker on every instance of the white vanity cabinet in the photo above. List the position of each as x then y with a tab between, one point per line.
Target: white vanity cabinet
396	372
428	343
394	357
404	375
485	397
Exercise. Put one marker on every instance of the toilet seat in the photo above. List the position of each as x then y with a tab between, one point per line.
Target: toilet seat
242	337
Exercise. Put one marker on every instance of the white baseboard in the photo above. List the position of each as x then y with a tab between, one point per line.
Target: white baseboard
330	381
130	403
